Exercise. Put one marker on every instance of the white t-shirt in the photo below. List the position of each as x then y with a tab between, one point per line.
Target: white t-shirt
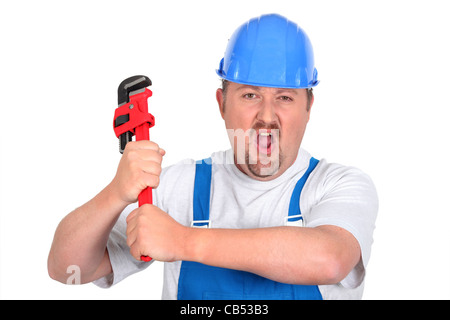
333	195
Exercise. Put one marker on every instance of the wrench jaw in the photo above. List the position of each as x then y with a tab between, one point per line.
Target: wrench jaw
127	88
129	85
124	138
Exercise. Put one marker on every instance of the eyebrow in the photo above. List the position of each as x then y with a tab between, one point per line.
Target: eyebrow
245	86
258	88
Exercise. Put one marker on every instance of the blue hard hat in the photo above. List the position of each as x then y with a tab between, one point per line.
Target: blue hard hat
269	51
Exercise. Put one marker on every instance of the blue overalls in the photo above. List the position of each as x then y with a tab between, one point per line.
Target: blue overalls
202	282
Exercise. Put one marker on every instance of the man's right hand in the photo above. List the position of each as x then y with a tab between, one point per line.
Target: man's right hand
138	169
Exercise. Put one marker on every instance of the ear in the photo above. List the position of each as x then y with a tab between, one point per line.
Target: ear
219	98
312	101
310	106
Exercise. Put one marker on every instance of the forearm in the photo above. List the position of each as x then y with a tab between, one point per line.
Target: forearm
81	237
285	254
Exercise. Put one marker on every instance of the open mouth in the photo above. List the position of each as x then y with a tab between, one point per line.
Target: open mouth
265	141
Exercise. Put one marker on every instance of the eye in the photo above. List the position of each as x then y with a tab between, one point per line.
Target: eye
286	98
249	96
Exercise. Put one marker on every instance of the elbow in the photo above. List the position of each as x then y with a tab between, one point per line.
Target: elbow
54	274
71	275
326	271
53	271
337	261
334	272
334	268
58	272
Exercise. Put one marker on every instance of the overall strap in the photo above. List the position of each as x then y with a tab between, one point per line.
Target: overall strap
295	214
202	193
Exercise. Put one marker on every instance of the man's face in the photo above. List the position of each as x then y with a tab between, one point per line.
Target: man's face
265	127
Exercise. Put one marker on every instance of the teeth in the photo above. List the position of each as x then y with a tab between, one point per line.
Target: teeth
265	134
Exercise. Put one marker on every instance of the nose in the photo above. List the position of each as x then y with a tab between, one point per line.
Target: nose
267	112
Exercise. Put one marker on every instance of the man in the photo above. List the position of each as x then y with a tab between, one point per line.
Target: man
263	220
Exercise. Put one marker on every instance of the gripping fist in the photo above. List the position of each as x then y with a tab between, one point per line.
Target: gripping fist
152	232
138	169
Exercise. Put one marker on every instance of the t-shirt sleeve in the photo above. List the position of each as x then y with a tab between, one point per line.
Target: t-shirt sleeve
122	262
344	197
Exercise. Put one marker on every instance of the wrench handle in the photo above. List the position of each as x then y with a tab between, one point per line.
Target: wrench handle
143	133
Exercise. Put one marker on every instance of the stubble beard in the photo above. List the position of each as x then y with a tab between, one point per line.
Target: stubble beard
261	168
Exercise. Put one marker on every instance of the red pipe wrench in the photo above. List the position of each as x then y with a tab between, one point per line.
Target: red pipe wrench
132	118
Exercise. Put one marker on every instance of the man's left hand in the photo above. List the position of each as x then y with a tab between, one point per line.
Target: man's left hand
152	232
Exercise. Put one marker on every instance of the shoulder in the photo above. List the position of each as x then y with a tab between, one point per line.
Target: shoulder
341	195
335	191
331	177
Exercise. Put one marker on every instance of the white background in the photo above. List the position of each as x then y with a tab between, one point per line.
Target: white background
382	105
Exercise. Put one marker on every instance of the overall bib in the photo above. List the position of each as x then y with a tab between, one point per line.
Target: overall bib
202	282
